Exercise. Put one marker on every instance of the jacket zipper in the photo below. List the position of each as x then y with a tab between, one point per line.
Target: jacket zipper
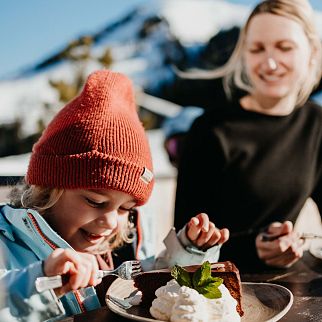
54	246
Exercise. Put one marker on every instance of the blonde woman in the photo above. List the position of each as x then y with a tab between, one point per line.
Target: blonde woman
253	163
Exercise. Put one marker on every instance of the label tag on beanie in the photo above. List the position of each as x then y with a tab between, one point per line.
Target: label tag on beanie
147	176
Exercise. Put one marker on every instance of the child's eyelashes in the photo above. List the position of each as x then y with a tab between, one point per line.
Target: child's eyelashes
95	204
123	209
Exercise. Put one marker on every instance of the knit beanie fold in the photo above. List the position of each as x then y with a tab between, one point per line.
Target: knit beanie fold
96	141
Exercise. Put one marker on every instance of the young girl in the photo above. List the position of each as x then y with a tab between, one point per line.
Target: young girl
89	170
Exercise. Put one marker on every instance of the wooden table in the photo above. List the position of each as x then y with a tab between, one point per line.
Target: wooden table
304	279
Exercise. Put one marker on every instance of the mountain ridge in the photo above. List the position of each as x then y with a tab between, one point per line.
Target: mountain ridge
144	44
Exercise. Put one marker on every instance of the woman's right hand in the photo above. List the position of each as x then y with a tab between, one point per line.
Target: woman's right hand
81	269
283	251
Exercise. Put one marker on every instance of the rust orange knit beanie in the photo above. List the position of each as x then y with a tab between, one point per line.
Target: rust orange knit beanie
96	141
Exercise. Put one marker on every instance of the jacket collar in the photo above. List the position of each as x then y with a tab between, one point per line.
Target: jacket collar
5	227
29	226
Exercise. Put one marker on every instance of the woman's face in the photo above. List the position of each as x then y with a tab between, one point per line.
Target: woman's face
277	56
86	218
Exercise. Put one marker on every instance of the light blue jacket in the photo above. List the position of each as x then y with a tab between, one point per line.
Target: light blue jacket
26	240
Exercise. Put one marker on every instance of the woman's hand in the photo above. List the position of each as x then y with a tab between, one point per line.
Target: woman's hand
283	251
203	233
80	268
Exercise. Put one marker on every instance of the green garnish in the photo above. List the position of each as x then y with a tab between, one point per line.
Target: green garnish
181	276
201	281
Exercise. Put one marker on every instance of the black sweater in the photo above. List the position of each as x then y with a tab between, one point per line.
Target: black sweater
247	169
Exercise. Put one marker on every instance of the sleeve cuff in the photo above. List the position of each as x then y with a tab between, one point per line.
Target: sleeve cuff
181	251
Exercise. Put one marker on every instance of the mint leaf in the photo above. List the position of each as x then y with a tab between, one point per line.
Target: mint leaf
205	284
211	291
217	281
181	276
202	281
202	274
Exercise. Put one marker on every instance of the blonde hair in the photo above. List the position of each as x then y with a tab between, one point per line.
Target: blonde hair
233	72
42	199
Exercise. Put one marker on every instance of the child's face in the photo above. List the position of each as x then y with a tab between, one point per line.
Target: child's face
86	218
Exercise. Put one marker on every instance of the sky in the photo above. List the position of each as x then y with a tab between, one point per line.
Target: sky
32	30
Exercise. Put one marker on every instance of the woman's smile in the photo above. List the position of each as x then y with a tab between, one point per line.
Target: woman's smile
271	78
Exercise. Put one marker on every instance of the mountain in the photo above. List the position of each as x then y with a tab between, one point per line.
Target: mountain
145	44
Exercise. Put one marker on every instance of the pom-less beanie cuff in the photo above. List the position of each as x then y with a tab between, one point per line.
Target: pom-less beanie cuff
96	142
91	171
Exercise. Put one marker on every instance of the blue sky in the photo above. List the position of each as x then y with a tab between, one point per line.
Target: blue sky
31	30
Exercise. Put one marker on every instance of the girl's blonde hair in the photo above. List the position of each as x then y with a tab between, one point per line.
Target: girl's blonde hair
233	72
43	199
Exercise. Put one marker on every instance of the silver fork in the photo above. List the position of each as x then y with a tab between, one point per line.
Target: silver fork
127	270
270	237
310	236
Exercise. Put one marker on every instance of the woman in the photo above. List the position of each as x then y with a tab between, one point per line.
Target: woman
254	163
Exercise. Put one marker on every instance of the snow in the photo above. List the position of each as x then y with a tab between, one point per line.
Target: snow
192	21
17	165
196	21
19	97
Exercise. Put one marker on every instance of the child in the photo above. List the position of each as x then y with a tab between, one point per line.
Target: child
89	170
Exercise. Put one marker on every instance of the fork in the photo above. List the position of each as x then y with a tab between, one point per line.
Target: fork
269	237
127	270
310	236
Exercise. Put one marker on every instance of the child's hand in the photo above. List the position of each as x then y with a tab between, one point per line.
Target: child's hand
203	233
81	268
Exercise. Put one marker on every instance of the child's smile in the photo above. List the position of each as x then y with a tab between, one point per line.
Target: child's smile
92	238
88	218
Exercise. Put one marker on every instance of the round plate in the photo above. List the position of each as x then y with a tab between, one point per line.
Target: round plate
262	302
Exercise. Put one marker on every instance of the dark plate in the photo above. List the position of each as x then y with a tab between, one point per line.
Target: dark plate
262	302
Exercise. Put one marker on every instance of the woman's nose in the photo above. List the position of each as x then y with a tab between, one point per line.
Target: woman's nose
271	63
108	220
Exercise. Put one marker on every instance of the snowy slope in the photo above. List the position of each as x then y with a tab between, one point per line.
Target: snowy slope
142	57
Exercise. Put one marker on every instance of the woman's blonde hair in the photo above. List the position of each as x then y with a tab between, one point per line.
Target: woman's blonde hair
43	199
233	72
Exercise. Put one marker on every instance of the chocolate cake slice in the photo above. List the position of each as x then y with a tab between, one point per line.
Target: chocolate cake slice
149	282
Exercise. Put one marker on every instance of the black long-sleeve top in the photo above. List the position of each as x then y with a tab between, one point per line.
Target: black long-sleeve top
246	169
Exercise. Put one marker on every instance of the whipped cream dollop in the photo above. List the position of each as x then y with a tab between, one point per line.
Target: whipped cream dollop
177	303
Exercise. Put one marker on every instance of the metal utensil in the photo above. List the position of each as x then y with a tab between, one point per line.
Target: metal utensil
310	236
271	237
126	271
